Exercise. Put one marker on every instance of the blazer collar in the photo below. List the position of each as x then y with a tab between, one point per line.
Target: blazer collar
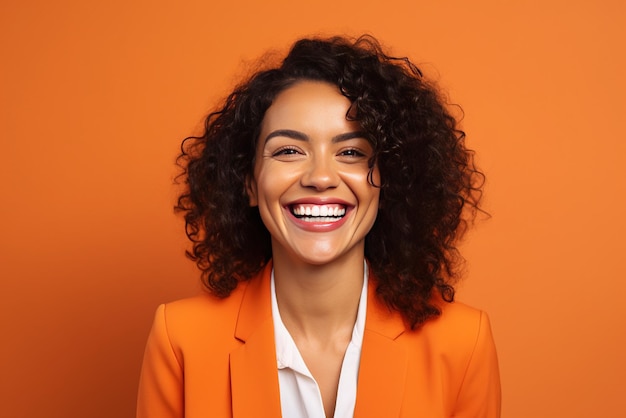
382	373
253	369
255	304
254	373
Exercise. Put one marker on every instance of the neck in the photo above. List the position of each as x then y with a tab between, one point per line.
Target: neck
317	301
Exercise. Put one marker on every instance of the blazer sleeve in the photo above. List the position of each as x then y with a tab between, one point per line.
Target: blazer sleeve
161	382
479	395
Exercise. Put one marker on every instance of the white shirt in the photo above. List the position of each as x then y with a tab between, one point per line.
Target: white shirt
299	393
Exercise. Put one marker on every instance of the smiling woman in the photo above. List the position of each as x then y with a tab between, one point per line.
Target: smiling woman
324	201
311	160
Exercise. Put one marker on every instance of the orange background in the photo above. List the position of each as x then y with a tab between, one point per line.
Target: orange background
96	96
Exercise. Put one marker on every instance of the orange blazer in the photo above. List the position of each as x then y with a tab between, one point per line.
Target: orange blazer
214	358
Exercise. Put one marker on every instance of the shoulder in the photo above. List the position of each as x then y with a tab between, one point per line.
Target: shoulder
458	348
200	320
208	317
455	336
458	338
202	306
459	327
186	355
456	320
462	340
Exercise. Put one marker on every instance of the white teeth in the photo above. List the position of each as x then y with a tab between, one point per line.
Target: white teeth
320	211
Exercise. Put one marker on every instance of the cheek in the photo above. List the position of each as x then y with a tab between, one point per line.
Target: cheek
366	181
271	186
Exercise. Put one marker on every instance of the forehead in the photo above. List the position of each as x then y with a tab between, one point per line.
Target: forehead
308	105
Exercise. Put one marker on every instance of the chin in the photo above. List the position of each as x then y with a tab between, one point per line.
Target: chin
320	257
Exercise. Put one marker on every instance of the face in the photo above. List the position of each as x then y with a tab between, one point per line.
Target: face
311	176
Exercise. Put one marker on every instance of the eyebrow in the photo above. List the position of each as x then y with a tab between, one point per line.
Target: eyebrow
301	136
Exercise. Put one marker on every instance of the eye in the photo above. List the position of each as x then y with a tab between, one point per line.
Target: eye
352	152
287	152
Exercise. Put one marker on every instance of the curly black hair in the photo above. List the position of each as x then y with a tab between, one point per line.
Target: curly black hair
430	188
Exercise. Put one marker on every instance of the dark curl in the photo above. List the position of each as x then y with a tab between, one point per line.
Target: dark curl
430	188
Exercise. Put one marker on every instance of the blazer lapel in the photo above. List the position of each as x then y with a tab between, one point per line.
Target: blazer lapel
383	368
253	370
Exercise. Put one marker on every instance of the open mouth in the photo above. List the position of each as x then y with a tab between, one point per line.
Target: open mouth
318	213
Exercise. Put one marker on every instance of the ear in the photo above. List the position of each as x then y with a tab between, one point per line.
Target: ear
251	191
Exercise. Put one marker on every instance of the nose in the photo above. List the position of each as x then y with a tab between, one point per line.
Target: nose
320	174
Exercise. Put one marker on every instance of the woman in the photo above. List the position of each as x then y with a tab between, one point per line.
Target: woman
324	201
